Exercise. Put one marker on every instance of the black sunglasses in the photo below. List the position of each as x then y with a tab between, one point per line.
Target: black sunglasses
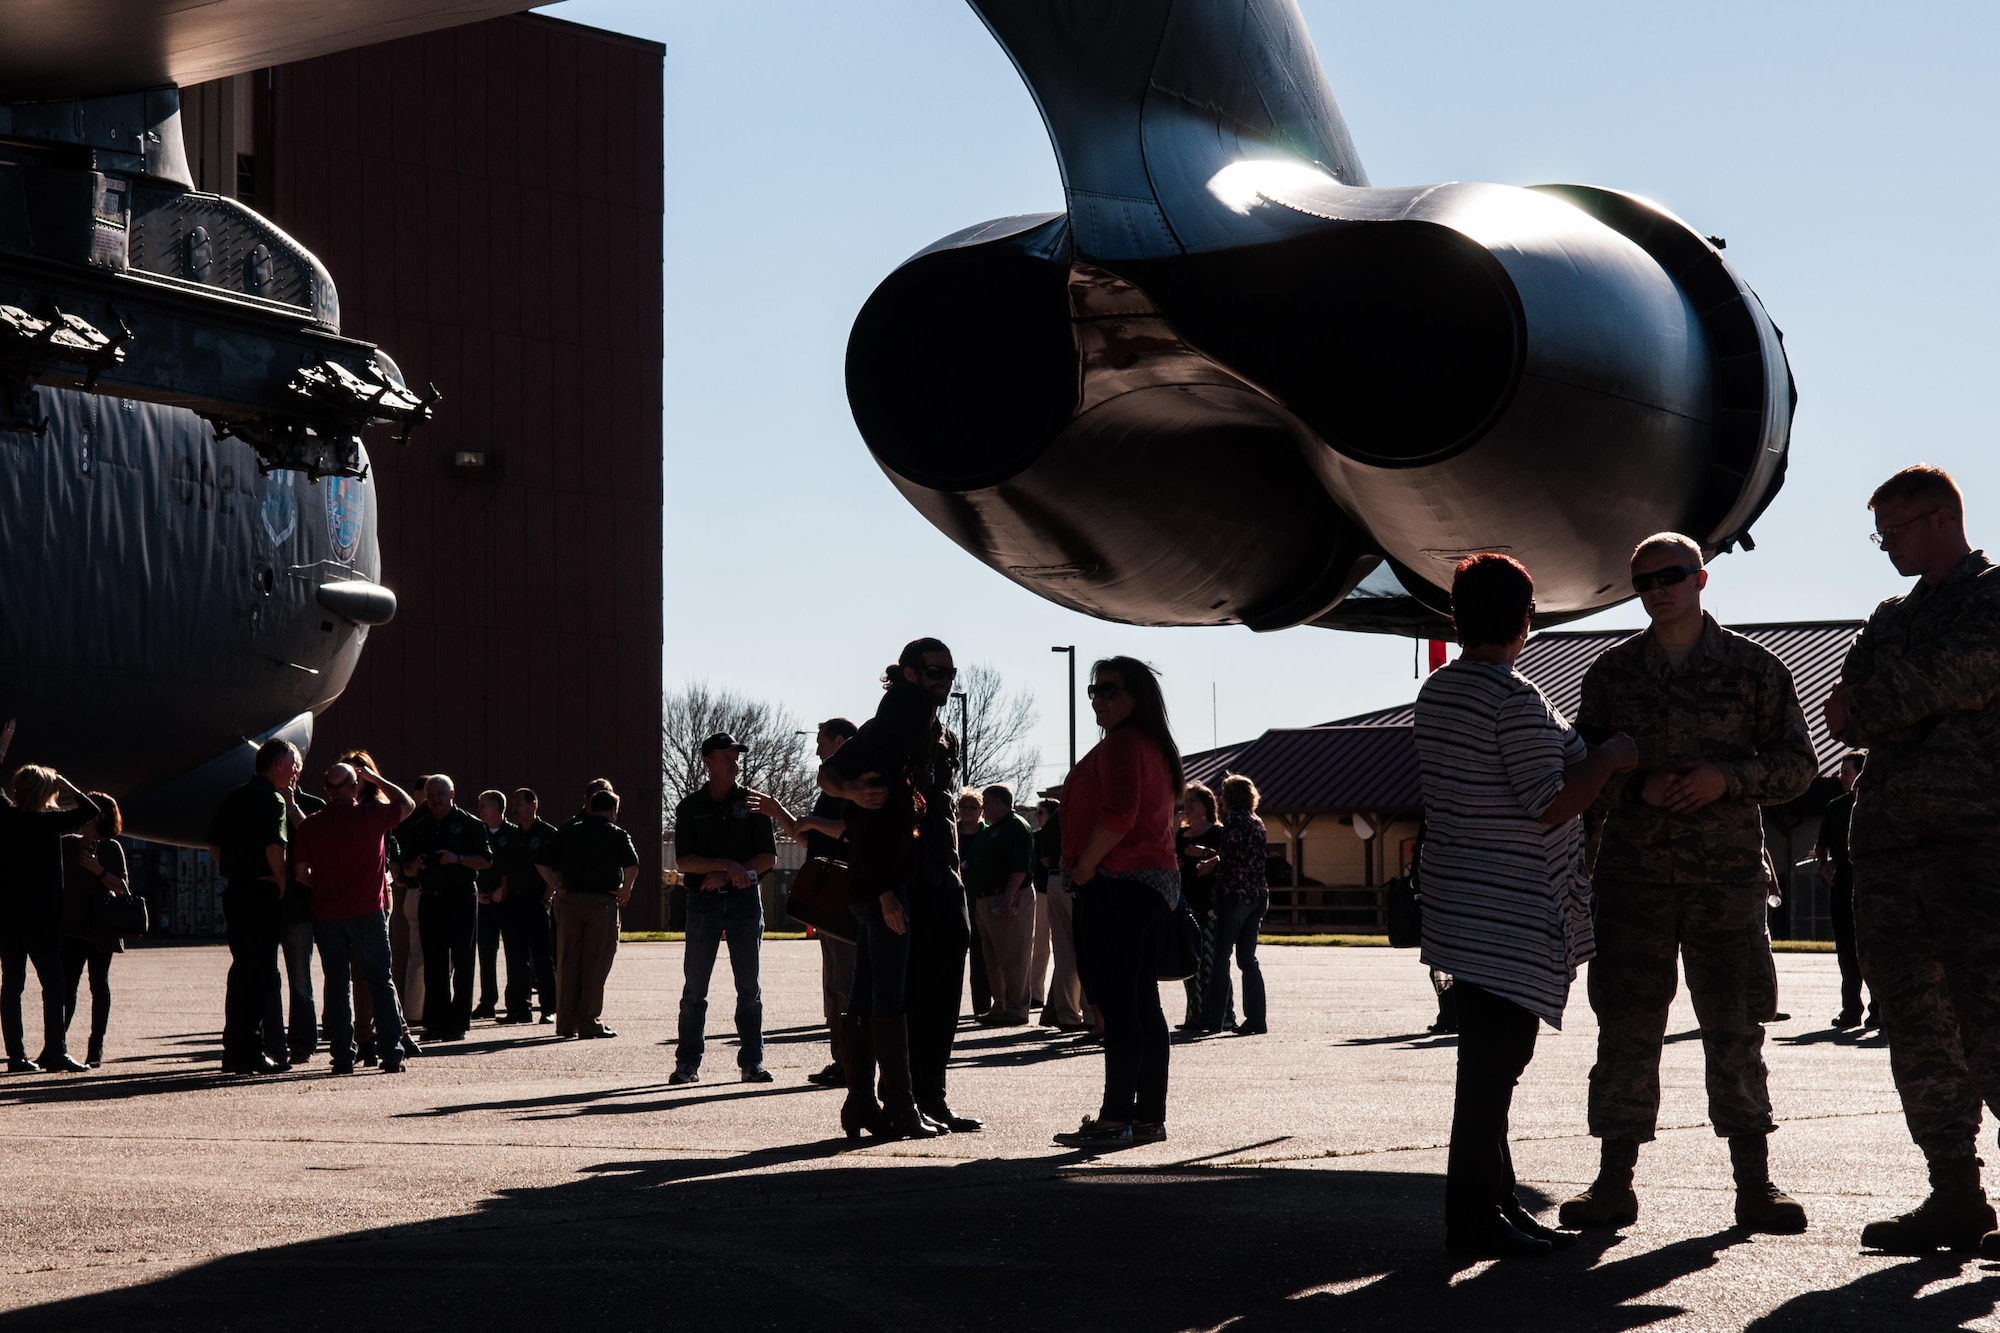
1104	690
940	673
1662	578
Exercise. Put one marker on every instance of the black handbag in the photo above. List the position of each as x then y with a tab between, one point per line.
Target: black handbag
1179	950
120	914
1405	914
820	897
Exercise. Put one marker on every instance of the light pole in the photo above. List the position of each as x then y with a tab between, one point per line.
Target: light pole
1071	650
963	753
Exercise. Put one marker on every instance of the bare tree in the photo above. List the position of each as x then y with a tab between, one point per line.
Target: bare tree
779	759
997	725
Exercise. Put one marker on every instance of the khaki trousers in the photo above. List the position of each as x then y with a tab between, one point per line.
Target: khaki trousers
1008	942
586	942
1065	994
406	955
1038	964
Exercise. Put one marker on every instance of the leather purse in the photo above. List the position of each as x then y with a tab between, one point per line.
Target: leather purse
820	897
120	914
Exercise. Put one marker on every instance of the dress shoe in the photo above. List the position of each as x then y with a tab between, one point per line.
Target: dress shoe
258	1064
942	1113
1492	1236
1846	1019
1250	1029
483	1011
1095	1134
341	1067
1144	1132
1528	1224
681	1077
547	1018
597	1030
22	1065
62	1064
756	1074
410	1046
833	1076
392	1065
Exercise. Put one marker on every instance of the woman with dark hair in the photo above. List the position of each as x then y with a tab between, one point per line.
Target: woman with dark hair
1242	896
93	865
1118	841
891	753
1506	890
46	806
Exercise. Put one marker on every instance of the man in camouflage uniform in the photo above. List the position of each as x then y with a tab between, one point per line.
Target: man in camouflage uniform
1918	691
1680	870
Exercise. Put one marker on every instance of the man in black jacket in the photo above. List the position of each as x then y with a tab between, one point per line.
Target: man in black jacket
446	847
249	835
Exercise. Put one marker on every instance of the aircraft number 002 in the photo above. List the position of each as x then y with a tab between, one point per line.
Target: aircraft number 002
214	488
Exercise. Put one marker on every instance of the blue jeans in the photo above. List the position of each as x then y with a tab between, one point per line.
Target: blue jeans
881	962
1236	922
301	1039
363	940
740	912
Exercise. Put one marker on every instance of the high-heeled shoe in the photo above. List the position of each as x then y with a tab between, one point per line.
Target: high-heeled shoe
860	1113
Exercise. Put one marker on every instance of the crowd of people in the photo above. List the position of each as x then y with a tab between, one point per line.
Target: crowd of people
1630	838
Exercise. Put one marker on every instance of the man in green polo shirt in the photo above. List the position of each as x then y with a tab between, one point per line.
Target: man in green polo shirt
998	878
722	845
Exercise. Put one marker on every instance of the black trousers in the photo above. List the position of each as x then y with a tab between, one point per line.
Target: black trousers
492	927
1496	1039
982	998
43	949
531	954
1118	927
85	955
934	985
1841	908
448	927
251	910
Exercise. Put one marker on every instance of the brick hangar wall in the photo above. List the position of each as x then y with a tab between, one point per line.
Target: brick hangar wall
489	201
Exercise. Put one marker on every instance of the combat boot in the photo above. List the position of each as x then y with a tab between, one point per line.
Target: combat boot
1760	1205
1610	1200
1955	1217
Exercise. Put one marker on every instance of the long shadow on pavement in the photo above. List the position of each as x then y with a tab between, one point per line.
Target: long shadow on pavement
743	1243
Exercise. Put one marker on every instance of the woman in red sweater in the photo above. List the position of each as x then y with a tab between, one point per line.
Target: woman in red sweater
1118	842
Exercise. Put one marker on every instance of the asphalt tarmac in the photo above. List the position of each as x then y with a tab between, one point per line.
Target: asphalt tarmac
511	1181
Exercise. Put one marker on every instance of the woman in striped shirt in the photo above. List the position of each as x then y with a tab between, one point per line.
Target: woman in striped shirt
1506	890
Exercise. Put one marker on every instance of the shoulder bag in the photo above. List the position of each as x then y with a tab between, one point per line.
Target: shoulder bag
820	898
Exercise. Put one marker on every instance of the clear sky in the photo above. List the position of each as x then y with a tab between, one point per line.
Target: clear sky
1844	150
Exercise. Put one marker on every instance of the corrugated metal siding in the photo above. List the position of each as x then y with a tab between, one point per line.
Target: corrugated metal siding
489	201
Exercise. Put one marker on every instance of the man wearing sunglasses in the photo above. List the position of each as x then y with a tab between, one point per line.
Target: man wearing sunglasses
1916	692
1679	877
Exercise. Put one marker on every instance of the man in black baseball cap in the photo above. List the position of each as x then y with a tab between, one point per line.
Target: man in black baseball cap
722	845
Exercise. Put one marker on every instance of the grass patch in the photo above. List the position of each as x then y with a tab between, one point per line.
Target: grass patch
1335	941
680	936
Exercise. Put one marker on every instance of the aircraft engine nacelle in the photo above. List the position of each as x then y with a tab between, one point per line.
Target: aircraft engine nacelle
1234	382
1242	434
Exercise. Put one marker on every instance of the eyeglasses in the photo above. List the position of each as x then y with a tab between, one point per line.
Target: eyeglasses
1881	536
940	673
1105	690
1662	578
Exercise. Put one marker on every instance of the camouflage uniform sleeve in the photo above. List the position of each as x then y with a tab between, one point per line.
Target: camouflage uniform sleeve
1784	765
1955	671
1595	711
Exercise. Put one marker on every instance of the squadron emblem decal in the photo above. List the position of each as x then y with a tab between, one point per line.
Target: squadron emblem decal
280	510
345	504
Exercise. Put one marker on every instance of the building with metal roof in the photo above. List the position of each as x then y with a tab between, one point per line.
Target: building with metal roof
1345	796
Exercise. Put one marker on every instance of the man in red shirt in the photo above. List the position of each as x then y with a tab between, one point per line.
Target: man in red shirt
339	851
